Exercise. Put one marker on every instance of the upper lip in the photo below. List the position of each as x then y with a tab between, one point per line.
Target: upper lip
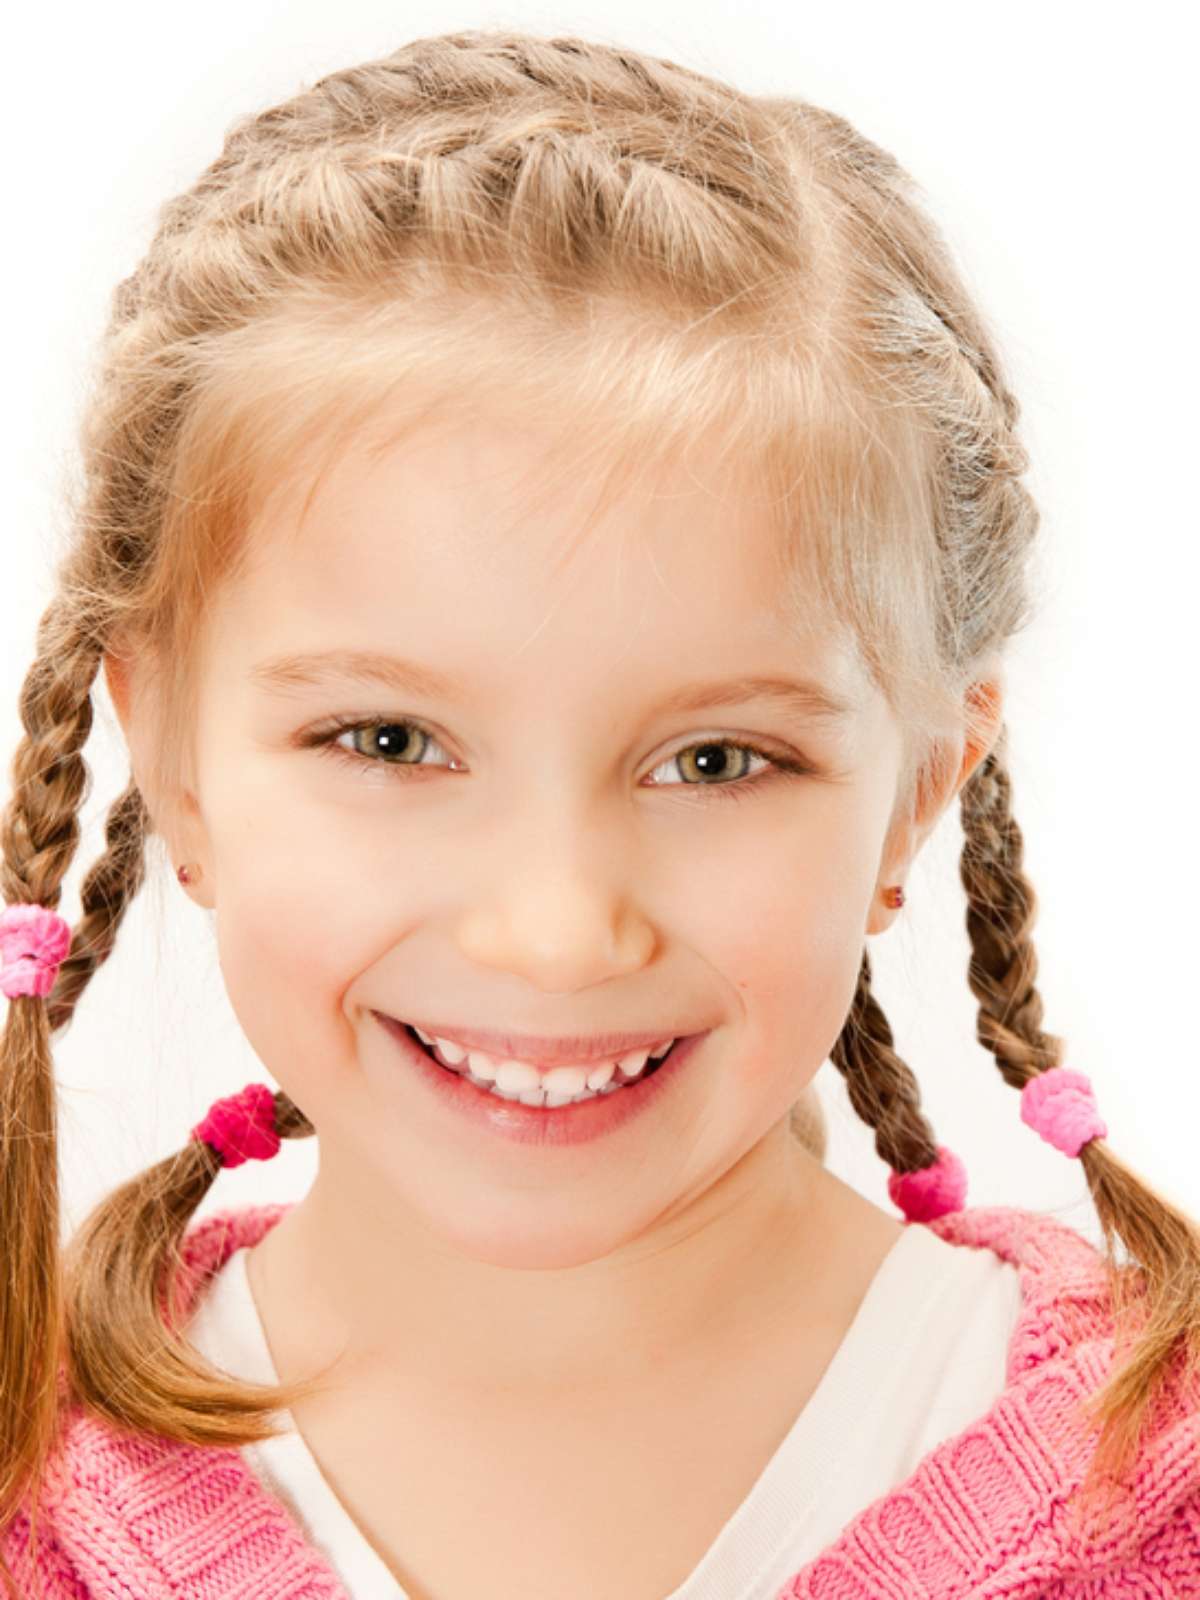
565	1049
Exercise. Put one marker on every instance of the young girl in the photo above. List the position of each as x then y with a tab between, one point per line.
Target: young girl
509	453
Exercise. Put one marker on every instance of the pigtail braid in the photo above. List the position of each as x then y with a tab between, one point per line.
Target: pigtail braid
552	165
882	1086
39	834
111	883
1156	1293
1001	911
58	1337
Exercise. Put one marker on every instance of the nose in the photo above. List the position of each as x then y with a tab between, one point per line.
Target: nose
559	921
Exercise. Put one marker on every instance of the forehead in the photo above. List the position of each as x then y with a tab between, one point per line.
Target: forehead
490	536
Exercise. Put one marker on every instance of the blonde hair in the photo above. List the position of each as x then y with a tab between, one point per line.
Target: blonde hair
582	231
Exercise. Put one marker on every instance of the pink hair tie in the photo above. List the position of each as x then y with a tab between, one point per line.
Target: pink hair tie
1061	1106
241	1127
931	1191
33	945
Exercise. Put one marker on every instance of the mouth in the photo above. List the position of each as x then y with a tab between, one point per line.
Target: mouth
616	1080
563	1107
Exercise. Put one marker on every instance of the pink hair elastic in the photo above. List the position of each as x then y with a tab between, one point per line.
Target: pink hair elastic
1061	1106
34	941
241	1127
931	1191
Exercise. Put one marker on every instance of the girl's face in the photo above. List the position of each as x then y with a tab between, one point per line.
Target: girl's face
513	866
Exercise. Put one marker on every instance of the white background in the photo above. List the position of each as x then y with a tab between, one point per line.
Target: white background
1059	154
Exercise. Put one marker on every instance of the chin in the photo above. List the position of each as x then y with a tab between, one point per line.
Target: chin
550	1245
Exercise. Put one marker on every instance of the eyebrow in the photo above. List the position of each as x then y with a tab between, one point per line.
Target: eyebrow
288	673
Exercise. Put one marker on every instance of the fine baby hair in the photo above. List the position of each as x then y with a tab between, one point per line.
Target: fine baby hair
585	231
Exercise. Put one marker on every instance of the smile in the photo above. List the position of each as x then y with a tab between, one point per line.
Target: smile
522	1081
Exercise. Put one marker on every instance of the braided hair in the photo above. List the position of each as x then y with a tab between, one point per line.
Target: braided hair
599	232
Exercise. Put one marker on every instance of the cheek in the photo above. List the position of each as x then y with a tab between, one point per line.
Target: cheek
787	935
294	928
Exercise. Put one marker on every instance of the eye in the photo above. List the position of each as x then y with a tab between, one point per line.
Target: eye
400	743
709	760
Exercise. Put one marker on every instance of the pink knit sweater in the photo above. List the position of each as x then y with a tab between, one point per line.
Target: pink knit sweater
983	1515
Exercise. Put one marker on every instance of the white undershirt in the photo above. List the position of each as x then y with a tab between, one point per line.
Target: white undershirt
924	1357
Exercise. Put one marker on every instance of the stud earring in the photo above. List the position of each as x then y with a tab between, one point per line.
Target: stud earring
894	897
184	874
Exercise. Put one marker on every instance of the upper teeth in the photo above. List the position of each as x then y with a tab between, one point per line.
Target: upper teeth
517	1076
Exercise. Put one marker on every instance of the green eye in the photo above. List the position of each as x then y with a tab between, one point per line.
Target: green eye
396	738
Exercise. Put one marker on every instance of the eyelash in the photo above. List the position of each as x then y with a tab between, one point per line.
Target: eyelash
781	766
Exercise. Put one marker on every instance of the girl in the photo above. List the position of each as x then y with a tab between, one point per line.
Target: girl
509	453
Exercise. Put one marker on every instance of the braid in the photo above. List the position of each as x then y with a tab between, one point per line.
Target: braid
111	883
549	165
39	834
882	1087
1158	1288
290	1121
40	829
1001	910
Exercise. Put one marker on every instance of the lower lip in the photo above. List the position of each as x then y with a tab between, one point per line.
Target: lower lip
557	1125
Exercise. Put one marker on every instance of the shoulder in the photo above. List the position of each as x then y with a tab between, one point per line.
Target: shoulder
994	1508
210	1241
173	1519
1063	1351
47	1570
92	1493
1066	1294
1161	1560
102	1491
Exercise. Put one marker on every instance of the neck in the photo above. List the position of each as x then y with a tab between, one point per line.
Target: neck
777	1242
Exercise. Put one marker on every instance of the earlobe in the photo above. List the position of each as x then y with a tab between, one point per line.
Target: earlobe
188	844
195	885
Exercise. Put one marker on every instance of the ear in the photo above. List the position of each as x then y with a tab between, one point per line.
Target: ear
178	820
116	678
938	785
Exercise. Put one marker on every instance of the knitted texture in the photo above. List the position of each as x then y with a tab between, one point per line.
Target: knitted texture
984	1515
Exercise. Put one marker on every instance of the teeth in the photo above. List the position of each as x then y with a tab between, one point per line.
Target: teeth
520	1080
451	1052
522	1075
599	1075
515	1076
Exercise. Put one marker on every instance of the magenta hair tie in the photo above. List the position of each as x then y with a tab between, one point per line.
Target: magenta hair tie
241	1127
932	1191
33	945
1061	1106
